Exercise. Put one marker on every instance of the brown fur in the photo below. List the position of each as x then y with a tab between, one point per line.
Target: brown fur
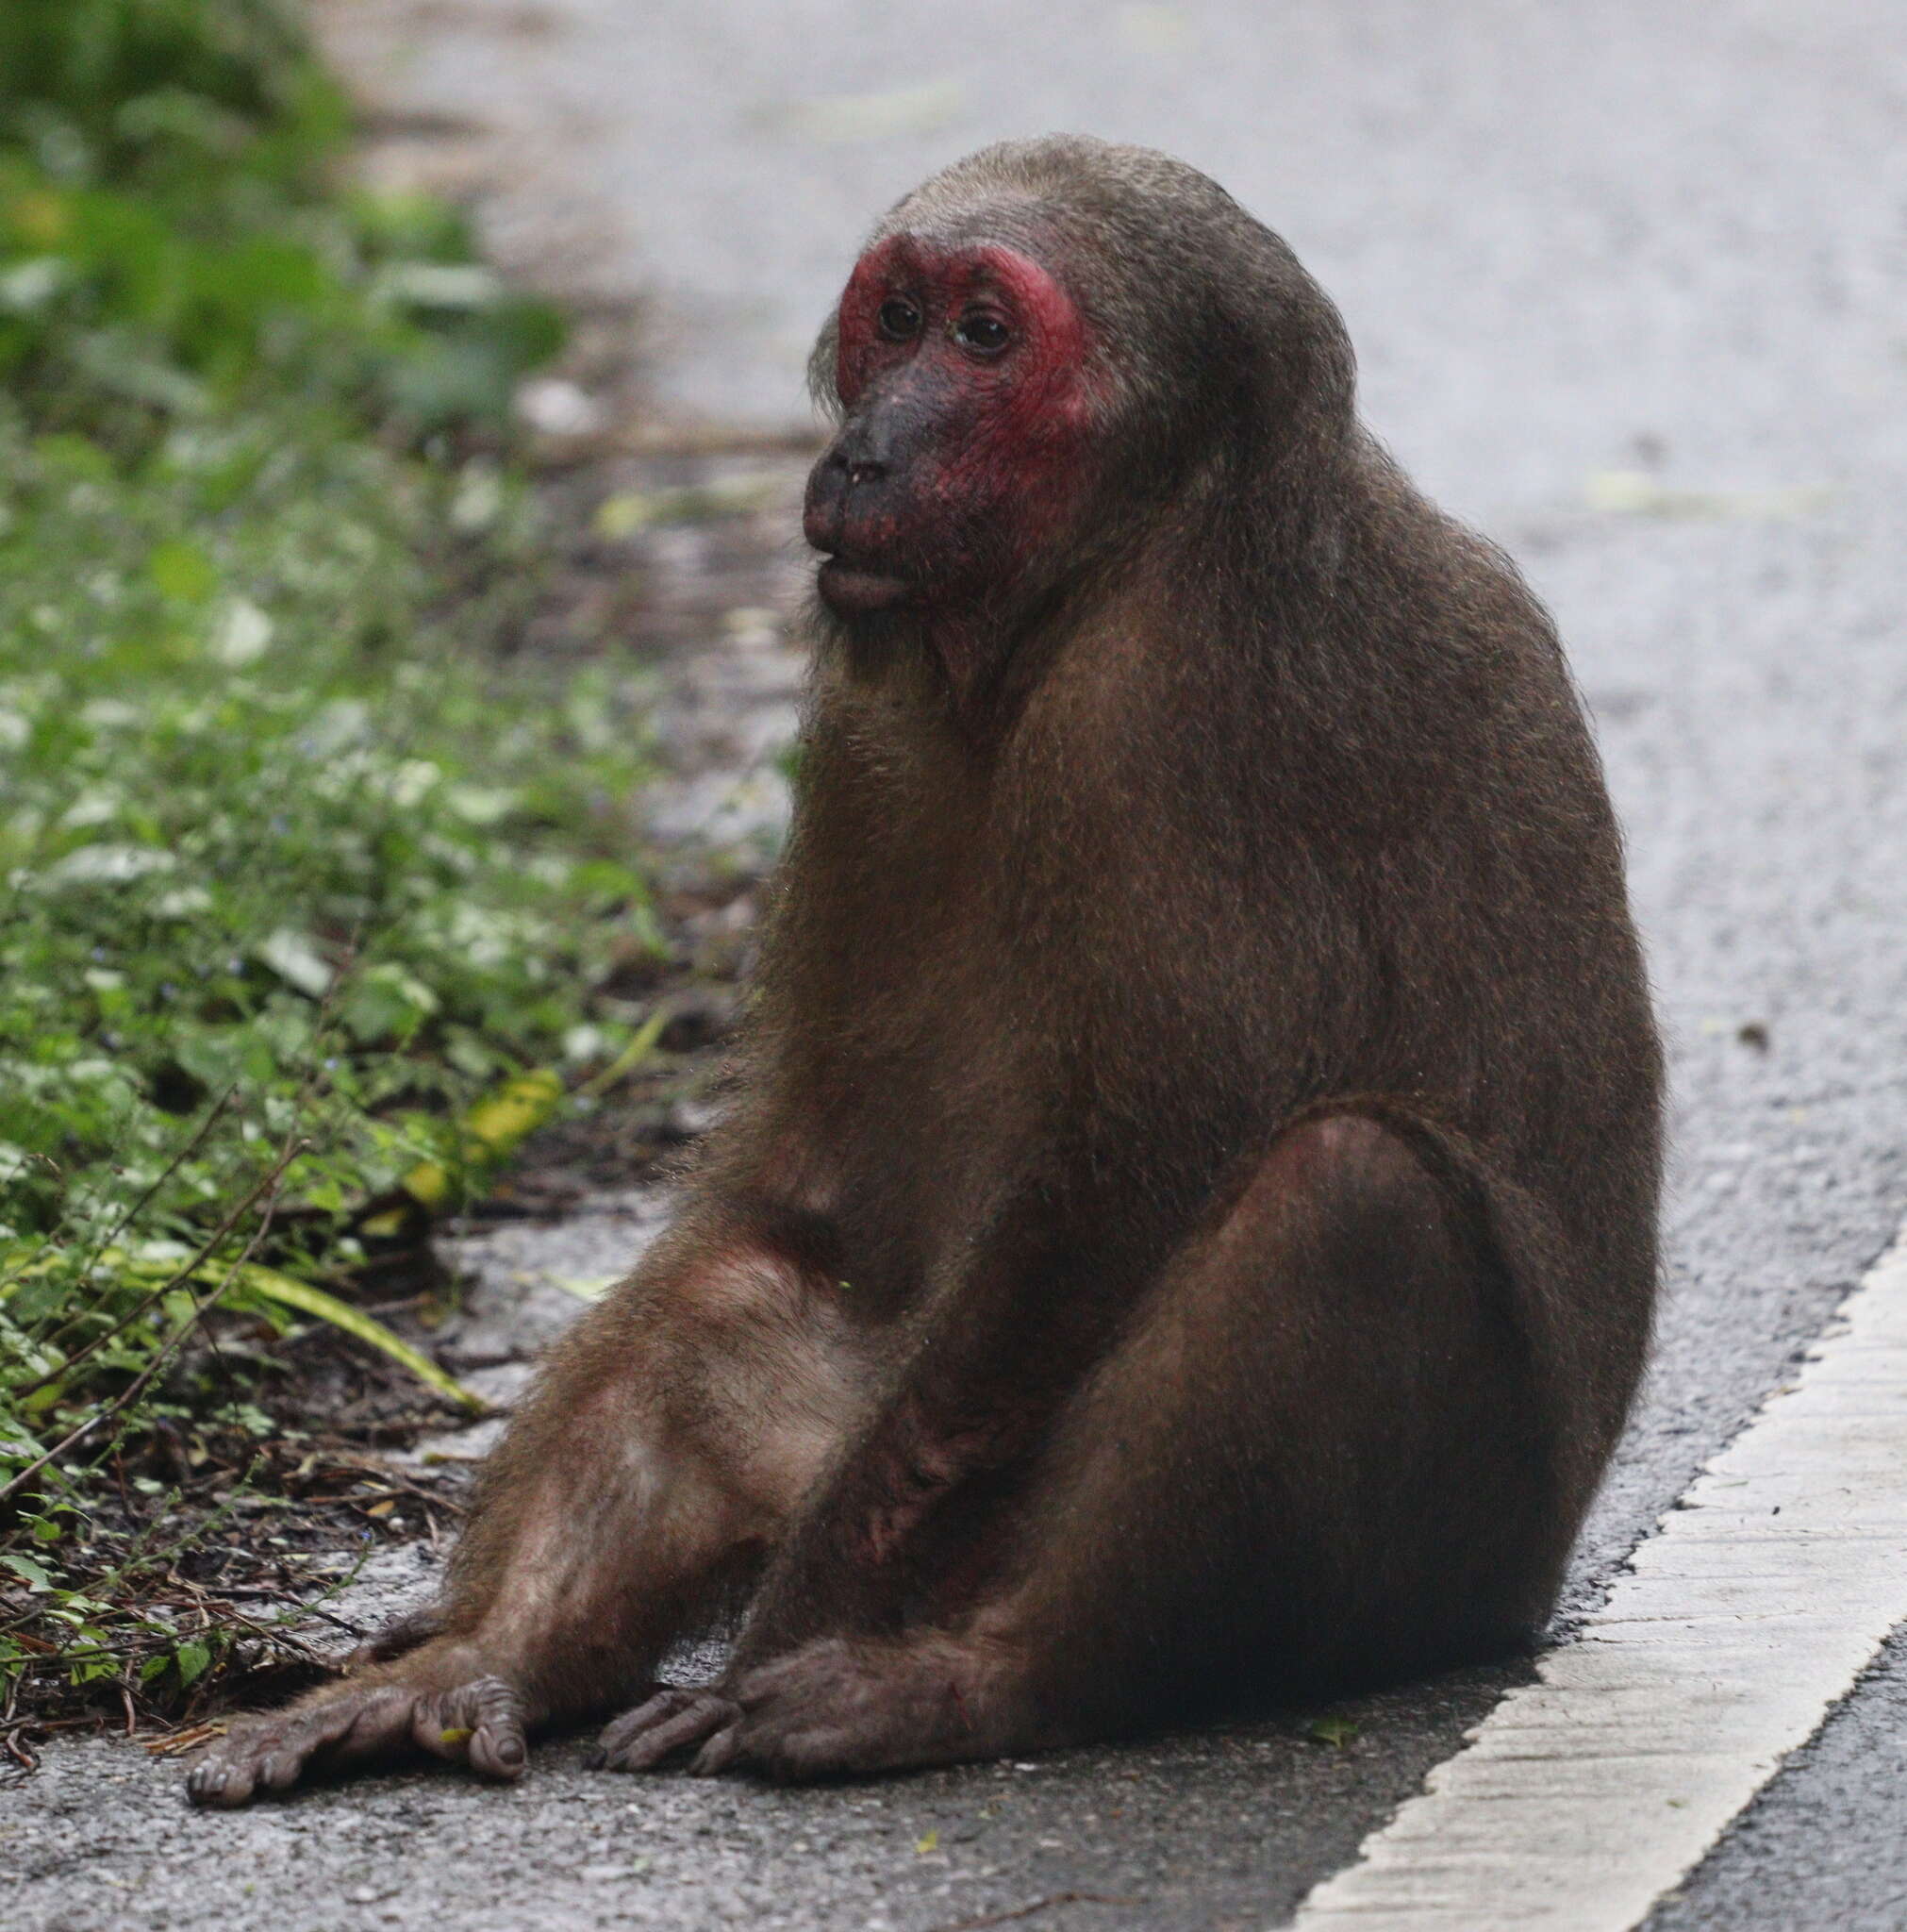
1187	1231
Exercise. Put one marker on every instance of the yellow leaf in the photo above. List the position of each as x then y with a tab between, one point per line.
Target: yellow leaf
307	1300
491	1131
591	1287
640	1045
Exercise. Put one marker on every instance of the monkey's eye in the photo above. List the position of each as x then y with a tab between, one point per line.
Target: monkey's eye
985	335
898	320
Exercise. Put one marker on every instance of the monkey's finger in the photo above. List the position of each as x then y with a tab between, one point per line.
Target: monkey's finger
480	1724
719	1753
679	1719
223	1782
653	1700
664	1701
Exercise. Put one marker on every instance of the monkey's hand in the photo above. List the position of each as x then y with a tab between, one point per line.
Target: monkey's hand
828	1708
480	1724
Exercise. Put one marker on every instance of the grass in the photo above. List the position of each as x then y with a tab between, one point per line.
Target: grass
298	863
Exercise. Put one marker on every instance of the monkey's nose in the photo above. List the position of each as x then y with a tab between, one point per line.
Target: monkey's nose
858	466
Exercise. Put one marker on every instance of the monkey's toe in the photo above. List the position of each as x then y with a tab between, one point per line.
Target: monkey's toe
479	1724
669	1723
263	1755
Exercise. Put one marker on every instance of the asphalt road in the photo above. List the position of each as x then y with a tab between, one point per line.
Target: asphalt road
1629	284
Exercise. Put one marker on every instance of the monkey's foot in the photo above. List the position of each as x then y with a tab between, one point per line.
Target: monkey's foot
831	1709
480	1724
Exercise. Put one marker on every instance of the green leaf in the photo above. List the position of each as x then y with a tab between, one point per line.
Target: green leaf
298	962
25	1567
182	571
193	1660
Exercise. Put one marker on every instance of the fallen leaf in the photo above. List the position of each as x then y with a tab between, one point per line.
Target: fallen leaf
1632	492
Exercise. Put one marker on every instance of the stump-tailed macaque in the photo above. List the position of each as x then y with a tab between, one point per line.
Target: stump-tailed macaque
1186	1231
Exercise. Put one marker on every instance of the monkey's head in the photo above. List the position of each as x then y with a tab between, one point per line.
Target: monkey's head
1040	348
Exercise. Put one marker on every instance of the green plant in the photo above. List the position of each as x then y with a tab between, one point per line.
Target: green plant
172	239
295	864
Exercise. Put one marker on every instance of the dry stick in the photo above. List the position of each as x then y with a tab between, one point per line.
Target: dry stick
228	1593
135	1388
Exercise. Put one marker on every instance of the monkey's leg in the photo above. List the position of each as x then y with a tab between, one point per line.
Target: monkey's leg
659	1456
1321	1452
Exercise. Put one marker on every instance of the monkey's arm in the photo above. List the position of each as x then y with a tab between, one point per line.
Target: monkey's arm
990	1363
910	1501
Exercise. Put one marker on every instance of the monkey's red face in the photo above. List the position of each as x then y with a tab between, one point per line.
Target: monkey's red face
963	373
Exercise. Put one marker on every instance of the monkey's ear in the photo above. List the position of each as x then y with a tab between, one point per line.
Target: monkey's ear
822	370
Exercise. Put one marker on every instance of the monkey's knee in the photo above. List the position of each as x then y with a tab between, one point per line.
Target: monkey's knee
1352	1196
764	1373
1383	1349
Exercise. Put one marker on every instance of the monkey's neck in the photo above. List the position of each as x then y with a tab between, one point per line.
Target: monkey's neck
967	671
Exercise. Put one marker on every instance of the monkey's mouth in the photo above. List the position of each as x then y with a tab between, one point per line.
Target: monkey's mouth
849	588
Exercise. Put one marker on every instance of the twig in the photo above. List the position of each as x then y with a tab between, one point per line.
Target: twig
187	1737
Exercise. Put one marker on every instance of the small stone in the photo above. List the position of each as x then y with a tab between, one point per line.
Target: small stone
553	406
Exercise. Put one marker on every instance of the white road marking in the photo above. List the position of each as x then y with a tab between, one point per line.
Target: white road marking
1739	1623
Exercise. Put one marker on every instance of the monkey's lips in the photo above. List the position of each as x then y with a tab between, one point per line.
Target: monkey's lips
849	588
